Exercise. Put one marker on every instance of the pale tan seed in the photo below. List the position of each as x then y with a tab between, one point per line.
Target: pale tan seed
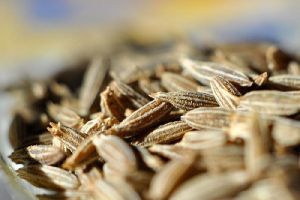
166	133
271	102
110	104
219	159
205	139
211	118
67	195
294	68
48	177
92	81
92	126
286	132
148	115
45	154
64	115
70	138
258	146
152	161
205	71
171	151
212	186
260	79
169	177
291	81
176	82
226	94
116	152
187	100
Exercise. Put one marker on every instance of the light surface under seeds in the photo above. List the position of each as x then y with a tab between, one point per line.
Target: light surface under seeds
175	82
211	118
271	102
187	100
166	133
205	71
48	177
148	115
225	93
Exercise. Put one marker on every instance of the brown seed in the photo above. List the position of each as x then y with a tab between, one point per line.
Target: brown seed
69	137
110	105
176	82
166	133
226	94
171	151
205	71
48	177
211	118
187	100
150	86
148	115
123	90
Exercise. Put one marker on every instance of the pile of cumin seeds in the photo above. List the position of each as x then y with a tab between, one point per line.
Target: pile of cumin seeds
217	123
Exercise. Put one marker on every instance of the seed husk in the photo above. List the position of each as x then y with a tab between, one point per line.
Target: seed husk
187	100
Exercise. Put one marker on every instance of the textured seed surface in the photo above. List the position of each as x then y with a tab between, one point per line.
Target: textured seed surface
226	94
45	154
212	118
205	71
167	133
187	100
175	82
48	177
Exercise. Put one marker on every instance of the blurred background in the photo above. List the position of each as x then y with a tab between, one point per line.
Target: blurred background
36	35
40	36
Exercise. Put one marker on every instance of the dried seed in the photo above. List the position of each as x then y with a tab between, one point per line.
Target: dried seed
286	132
152	161
150	86
69	137
45	154
218	186
169	177
123	90
226	94
116	152
212	118
92	82
271	102
187	100
260	79
110	105
64	115
277	60
48	177
166	133
291	81
175	82
205	71
148	115
171	151
200	140
67	195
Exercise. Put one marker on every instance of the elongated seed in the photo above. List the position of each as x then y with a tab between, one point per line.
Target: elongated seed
175	82
45	154
212	118
205	71
187	100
